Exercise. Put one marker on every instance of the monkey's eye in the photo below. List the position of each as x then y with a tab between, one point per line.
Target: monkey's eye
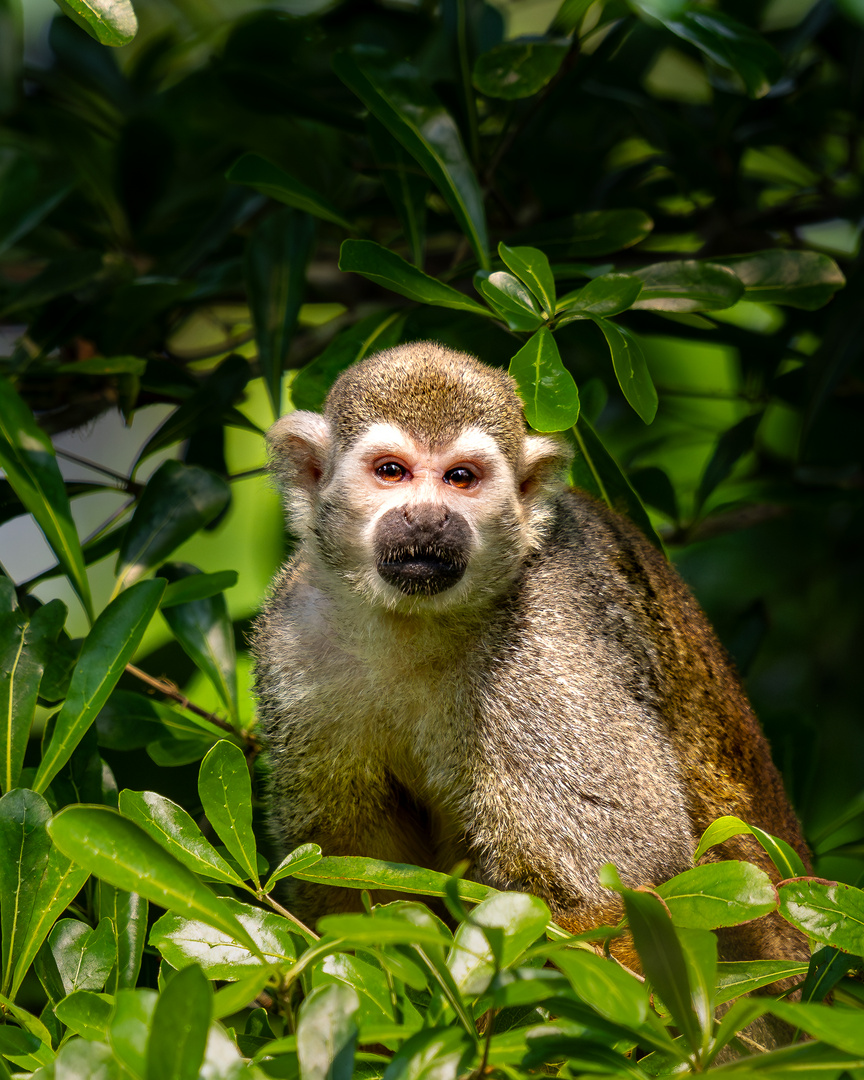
460	477
391	472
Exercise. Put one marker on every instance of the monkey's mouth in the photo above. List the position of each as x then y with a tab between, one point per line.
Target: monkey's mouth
422	572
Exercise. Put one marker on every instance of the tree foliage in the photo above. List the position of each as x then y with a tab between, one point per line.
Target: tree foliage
647	211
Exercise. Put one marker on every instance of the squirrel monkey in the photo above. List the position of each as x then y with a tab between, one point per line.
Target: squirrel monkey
467	660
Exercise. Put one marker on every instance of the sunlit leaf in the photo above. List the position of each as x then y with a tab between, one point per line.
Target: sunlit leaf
830	912
718	894
110	22
181	1023
630	369
738	977
686	285
225	789
327	1033
549	394
128	912
84	956
532	267
605	295
509	298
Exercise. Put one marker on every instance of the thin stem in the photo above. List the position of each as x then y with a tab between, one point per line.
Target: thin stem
277	907
67	455
169	690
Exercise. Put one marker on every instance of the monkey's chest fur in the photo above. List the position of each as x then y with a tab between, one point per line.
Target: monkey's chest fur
529	738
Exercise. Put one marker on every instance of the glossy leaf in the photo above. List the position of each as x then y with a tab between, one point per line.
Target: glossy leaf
432	1054
327	1033
84	956
181	1023
613	992
837	1027
383	927
802	279
174	829
234	996
110	22
598	232
827	967
276	258
220	955
25	644
830	912
738	977
86	1013
405	188
198	587
605	295
225	790
631	370
509	298
731	45
495	935
393	272
300	858
262	175
129	1028
549	394
401	101
107	649
177	501
596	471
121	853
27	458
787	861
24	847
518	69
686	285
205	631
532	267
718	894
128	912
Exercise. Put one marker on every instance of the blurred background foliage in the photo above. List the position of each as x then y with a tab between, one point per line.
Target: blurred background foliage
158	298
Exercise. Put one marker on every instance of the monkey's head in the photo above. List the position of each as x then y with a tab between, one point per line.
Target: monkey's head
419	487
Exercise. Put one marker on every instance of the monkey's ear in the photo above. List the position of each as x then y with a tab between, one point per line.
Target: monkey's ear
544	461
298	445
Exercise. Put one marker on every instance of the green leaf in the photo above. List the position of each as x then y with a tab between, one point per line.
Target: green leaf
732	45
605	295
384	926
129	1028
613	992
327	1033
262	175
177	501
738	977
731	447
181	1023
598	232
225	790
105	365
662	956
356	872
107	649
802	279
509	298
220	955
827	968
518	68
596	471
837	1027
27	458
25	643
312	382
235	996
718	894
441	1053
393	272
87	1014
406	187
494	936
397	96
532	267
121	853
631	370
198	587
276	258
110	22
700	956
84	957
549	394
686	285
24	847
206	633
787	861
300	858
174	830
128	912
830	912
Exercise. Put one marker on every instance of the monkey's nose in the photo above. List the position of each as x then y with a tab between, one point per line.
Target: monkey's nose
426	515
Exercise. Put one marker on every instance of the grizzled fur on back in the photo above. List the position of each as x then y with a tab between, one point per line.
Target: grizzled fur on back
431	392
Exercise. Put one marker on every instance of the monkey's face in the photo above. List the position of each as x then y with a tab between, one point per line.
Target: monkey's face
408	525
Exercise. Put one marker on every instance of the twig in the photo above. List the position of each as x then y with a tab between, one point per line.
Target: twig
171	691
